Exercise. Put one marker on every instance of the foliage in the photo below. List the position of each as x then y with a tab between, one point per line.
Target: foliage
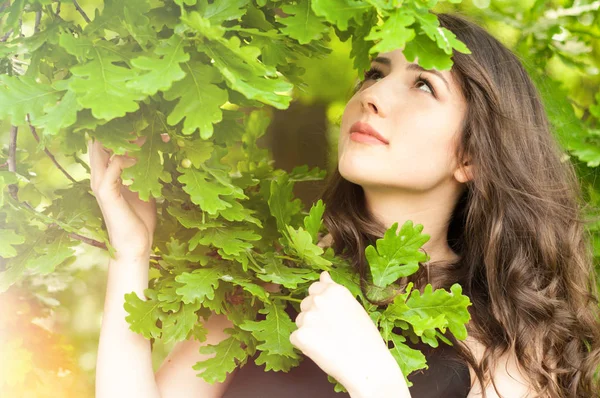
200	80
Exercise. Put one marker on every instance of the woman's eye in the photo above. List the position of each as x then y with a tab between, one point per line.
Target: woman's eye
375	74
424	85
427	84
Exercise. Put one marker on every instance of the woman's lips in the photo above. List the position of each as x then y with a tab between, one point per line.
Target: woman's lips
368	139
364	128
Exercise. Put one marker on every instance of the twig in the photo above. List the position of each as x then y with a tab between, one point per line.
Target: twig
81	11
6	36
50	155
12	161
89	241
288	298
12	166
38	18
57	9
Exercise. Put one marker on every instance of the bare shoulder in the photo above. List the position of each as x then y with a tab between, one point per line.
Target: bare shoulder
511	381
177	378
325	241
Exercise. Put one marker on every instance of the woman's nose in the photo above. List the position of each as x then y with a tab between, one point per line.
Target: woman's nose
370	104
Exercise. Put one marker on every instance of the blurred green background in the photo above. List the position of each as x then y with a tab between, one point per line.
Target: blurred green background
559	38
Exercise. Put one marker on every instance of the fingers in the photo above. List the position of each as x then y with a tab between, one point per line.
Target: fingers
139	141
304	317
325	277
317	288
111	181
99	158
306	303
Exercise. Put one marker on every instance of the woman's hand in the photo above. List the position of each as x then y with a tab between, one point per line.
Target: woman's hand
130	221
334	330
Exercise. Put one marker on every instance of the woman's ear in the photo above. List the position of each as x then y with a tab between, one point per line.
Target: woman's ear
464	173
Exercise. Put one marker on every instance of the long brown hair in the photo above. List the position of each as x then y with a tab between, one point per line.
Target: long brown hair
526	259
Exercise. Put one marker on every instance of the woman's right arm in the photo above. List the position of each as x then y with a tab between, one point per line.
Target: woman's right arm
124	364
124	361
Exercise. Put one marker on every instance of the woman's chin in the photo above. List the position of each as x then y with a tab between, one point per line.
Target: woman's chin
357	175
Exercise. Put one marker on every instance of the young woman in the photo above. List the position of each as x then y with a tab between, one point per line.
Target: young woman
469	154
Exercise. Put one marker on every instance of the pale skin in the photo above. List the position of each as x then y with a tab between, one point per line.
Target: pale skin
415	176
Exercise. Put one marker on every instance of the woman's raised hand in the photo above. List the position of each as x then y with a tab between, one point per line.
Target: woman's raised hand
130	221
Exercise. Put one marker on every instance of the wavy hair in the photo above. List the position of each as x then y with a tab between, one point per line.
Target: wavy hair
526	258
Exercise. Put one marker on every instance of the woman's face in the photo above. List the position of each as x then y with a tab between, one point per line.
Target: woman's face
419	123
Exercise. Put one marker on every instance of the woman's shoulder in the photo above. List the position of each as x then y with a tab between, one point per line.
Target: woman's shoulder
508	376
325	240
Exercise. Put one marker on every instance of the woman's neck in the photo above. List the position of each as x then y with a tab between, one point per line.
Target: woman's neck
432	209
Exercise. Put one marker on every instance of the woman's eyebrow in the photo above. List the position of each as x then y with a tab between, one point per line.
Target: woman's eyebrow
411	66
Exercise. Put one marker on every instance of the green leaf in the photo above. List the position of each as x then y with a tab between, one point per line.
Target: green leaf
445	39
394	33
197	151
281	202
274	332
177	326
248	285
437	309
340	12
245	74
8	239
276	363
228	355
345	275
301	23
143	314
162	67
232	240
431	304
60	115
200	100
302	244
204	192
240	65
147	170
276	272
199	284
100	86
313	221
430	56
396	255
51	255
22	95
407	358
220	11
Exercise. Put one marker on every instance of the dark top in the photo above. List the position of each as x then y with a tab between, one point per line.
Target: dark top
446	377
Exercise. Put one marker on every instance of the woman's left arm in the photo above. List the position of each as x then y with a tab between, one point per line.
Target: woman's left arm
336	332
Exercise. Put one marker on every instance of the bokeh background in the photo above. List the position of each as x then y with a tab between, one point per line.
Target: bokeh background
561	41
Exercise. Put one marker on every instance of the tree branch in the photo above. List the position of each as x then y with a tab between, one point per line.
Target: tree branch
50	155
13	189
83	14
38	18
12	161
